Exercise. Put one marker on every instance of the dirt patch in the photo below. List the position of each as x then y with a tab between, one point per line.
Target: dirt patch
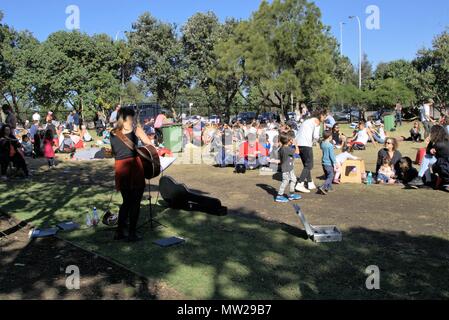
36	269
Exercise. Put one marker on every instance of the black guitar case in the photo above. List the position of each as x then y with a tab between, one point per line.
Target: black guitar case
179	197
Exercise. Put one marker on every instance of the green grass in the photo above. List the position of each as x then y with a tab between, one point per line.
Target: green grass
236	257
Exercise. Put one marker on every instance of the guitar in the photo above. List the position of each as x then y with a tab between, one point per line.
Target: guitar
179	197
148	155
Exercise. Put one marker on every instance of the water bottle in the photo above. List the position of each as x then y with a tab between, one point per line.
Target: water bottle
369	180
88	220
95	217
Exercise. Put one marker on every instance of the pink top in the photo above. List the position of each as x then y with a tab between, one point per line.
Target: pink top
159	121
48	149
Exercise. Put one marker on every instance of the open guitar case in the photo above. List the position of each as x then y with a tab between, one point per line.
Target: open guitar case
178	196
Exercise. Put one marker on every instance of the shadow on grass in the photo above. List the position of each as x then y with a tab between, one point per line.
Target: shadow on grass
235	257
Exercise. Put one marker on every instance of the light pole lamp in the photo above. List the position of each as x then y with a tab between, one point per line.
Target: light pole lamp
341	37
360	49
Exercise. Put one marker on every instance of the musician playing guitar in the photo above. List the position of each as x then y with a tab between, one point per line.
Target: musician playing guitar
129	171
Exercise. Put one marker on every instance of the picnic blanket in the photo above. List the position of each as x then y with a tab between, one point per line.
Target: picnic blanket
89	154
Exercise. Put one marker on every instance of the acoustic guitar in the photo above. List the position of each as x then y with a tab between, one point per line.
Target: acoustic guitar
179	197
147	154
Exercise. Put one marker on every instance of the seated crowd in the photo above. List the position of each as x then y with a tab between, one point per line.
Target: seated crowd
257	145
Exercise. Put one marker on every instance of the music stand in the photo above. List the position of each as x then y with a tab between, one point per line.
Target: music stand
151	221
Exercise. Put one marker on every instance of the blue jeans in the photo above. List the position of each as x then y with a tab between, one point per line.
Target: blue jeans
378	138
427	162
382	178
330	174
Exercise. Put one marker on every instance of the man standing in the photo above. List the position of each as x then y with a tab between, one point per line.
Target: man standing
114	114
70	121
10	118
398	110
426	119
308	132
76	120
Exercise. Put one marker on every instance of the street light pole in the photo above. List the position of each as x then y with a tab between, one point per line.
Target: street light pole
121	67
341	37
360	49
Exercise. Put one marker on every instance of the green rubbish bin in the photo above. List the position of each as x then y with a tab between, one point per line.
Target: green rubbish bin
389	122
172	137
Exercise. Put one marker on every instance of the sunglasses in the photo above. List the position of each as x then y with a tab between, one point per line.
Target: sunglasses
389	142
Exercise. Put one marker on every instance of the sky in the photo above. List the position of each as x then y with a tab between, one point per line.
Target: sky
405	26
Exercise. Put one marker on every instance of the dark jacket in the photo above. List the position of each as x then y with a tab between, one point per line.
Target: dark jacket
383	153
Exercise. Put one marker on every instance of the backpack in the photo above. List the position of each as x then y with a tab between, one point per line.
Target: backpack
240	169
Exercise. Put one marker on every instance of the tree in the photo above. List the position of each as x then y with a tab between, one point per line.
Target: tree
367	71
16	84
390	91
433	66
205	46
285	51
158	54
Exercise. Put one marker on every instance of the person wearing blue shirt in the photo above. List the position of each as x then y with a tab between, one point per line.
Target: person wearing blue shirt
329	122
329	162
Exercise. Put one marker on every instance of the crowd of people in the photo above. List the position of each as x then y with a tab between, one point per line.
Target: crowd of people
273	147
38	139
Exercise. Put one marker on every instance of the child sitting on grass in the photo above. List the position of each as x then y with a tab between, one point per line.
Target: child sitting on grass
386	172
27	146
287	158
329	162
341	158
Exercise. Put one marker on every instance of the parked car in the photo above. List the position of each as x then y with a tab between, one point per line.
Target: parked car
246	117
214	119
341	116
267	117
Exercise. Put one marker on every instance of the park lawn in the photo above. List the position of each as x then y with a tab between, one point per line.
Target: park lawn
237	256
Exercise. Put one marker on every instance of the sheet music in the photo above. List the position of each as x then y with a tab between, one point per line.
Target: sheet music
166	162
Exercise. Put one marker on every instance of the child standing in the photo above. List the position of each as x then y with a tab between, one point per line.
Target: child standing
386	172
287	159
49	152
329	162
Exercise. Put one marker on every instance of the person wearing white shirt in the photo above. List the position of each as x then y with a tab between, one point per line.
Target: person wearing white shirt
36	117
426	119
308	132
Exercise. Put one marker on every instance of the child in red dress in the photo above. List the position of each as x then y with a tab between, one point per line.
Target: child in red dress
49	152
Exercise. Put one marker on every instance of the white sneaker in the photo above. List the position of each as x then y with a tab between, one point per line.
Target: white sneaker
311	186
301	188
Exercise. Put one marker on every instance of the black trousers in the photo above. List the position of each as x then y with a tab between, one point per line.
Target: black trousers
307	160
130	210
4	166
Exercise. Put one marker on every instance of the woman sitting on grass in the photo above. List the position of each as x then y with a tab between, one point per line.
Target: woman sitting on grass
437	147
415	133
390	150
338	138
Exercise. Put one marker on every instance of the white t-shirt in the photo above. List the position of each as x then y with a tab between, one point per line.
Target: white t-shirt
342	157
36	117
425	112
382	134
308	132
362	136
271	135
